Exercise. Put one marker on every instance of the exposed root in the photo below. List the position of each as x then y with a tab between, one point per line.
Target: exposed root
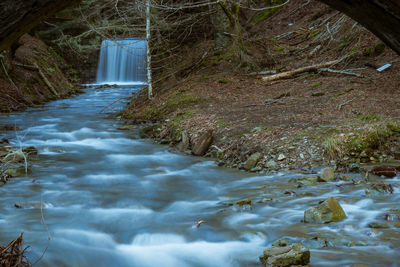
12	255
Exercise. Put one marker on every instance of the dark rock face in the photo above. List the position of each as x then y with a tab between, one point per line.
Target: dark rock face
200	148
381	17
20	16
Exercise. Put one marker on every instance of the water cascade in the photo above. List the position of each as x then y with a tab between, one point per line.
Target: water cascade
122	61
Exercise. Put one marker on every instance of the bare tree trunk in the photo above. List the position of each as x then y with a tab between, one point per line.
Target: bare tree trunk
149	81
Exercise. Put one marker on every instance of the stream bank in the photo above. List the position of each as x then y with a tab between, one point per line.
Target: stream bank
313	119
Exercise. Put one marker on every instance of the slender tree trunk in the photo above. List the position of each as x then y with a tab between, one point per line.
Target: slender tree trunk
149	81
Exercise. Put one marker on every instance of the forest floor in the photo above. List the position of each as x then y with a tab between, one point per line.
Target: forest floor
305	121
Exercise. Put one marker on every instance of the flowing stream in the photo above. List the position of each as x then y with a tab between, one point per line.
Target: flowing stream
112	199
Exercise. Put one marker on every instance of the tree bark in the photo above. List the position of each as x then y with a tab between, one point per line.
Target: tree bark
381	17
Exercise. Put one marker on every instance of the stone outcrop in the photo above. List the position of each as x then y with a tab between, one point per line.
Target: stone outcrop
18	17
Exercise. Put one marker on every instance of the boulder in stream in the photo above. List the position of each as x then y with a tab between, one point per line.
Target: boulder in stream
327	211
201	146
295	254
326	175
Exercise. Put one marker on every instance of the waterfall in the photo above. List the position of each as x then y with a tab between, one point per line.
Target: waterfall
122	61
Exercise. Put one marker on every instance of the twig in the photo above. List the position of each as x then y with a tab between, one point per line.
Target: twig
345	103
29	67
341	72
46	81
329	31
47	229
116	101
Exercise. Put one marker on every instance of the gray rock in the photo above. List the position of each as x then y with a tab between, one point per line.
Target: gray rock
312	180
271	164
185	143
252	161
326	212
281	157
295	254
256	169
327	175
202	145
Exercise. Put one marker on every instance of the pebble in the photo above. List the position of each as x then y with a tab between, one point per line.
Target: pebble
281	157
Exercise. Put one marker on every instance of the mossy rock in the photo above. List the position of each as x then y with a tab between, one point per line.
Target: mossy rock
326	212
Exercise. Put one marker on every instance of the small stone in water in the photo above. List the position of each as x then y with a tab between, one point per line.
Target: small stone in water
327	175
295	254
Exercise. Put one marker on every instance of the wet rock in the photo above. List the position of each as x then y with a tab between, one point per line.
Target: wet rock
21	171
30	150
4	141
15	157
387	171
327	175
327	211
252	161
201	146
271	164
256	169
304	181
295	254
281	242
185	141
378	225
281	157
244	202
353	167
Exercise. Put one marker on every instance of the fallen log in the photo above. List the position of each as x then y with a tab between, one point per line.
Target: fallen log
289	74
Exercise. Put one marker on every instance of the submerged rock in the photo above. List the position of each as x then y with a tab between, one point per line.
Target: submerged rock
327	175
201	146
31	205
15	157
252	161
326	212
295	254
31	150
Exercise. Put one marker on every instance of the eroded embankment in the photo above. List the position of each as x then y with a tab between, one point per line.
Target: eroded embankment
31	73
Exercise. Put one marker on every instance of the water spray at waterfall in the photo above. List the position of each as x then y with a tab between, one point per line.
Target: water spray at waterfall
122	61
